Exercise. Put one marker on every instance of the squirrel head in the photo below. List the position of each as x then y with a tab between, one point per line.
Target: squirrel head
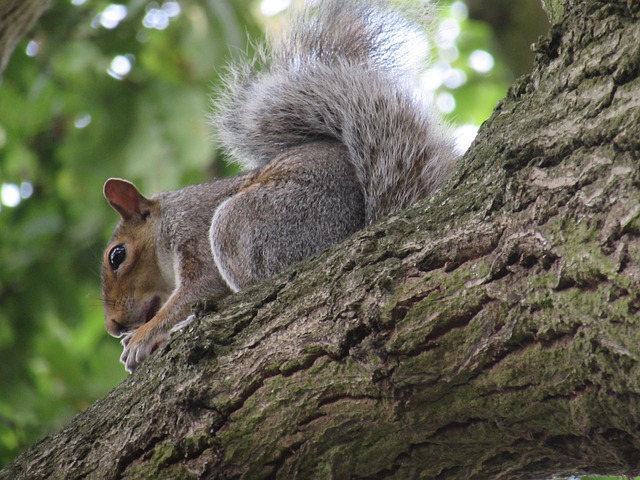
135	277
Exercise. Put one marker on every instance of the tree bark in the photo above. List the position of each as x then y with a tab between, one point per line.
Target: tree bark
491	332
16	19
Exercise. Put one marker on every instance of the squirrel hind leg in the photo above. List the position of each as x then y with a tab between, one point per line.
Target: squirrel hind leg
298	205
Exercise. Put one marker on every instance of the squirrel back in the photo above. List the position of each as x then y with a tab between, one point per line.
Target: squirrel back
346	71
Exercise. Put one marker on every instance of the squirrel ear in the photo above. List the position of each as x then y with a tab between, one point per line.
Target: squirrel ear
125	199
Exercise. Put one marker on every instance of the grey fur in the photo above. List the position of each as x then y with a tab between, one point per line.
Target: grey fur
341	72
286	212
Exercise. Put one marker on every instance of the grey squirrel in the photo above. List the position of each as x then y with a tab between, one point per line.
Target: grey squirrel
333	134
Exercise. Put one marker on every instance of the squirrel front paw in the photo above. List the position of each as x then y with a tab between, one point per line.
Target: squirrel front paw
140	344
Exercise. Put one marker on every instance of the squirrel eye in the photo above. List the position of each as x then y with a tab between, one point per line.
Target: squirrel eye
117	255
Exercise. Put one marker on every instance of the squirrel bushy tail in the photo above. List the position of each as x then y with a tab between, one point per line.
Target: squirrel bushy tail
345	70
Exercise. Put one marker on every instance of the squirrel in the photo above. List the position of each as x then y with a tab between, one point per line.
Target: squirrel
332	133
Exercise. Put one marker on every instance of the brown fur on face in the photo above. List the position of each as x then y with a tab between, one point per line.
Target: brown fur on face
134	292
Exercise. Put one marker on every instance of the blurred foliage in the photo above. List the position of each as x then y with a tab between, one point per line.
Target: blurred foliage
67	124
515	29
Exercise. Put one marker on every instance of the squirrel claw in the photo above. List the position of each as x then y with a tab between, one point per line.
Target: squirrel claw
126	338
184	323
138	346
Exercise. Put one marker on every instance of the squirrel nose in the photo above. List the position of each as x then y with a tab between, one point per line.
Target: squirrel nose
114	328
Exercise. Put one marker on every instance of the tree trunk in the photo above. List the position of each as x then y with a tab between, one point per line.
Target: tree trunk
491	332
16	19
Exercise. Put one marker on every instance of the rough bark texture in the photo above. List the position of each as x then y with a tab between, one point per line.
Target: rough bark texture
554	9
16	19
492	332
